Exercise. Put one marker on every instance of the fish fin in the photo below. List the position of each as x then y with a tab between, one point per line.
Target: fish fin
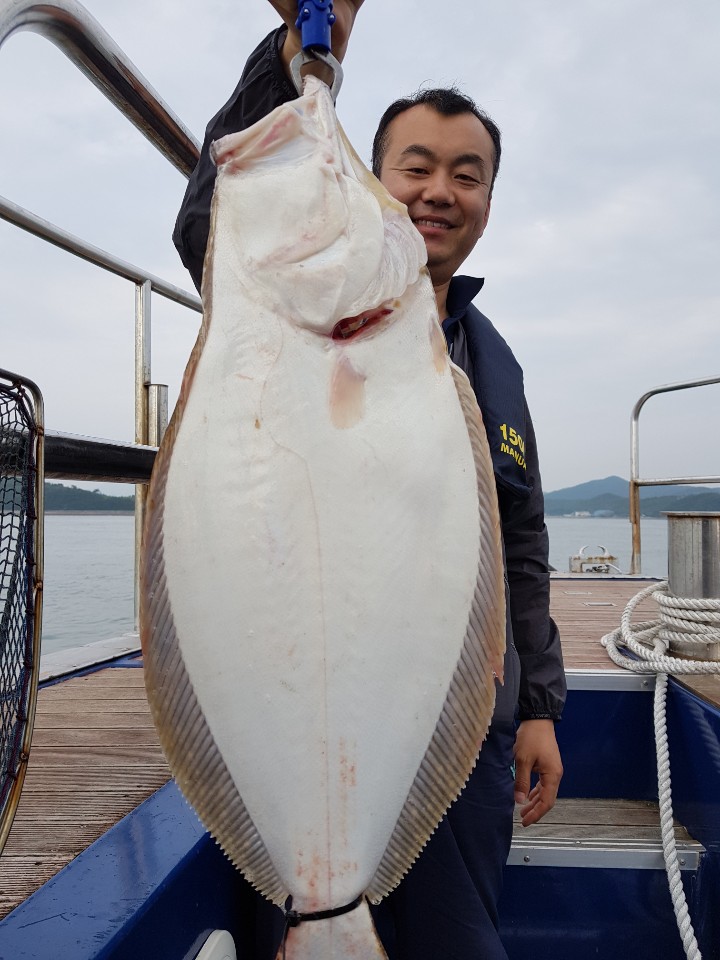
186	739
467	712
338	938
491	586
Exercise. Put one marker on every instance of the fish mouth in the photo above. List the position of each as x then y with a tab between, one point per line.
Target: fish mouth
350	327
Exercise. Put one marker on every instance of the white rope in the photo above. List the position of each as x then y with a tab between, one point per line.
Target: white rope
687	621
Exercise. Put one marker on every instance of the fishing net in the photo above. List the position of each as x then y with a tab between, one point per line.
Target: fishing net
19	632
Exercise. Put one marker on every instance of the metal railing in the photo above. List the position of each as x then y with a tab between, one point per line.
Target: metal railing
636	482
81	38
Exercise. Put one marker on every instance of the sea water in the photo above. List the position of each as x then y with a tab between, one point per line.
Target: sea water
568	535
88	582
88	591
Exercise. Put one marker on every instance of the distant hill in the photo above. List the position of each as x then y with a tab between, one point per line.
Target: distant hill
619	488
611	494
60	497
608	494
593	488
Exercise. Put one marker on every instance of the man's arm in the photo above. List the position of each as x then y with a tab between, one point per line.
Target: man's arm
263	86
542	675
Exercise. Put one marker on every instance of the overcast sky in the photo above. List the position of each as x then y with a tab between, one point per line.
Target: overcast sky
601	256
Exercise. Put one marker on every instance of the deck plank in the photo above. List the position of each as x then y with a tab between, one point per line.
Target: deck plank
64	719
602	820
92	735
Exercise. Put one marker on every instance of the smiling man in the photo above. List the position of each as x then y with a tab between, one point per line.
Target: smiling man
441	165
439	154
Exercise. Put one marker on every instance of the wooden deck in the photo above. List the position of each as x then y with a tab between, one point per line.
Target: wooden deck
585	610
96	756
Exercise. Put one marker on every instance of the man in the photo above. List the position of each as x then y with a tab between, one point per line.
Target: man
439	154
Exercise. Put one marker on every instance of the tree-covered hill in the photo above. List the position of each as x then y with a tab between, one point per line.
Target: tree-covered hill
611	495
60	497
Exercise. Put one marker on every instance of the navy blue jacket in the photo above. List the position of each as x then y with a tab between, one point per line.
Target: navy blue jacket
497	380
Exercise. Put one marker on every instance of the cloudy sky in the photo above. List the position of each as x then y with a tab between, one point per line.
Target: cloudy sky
601	256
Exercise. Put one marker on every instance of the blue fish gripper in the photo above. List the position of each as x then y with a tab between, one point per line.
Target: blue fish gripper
315	20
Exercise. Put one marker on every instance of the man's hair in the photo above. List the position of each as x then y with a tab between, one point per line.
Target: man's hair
447	101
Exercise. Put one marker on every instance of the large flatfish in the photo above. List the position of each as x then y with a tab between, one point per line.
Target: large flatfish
322	607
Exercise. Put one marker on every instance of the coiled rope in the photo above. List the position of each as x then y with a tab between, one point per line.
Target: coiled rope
685	620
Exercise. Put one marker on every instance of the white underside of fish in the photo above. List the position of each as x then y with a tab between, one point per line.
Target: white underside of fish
322	605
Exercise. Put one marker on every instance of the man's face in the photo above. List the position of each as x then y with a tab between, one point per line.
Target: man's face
441	169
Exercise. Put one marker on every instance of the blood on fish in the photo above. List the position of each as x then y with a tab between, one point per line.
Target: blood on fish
347	394
353	326
281	130
276	132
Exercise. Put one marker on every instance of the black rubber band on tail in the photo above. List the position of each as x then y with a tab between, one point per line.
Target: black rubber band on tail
294	919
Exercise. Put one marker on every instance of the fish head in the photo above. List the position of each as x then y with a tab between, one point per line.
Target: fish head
330	248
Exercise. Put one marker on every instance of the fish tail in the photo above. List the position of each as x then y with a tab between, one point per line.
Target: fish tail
352	934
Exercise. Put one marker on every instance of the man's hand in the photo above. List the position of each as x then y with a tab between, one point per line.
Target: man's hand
536	751
345	12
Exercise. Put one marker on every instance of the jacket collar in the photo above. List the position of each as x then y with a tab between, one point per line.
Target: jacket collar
461	293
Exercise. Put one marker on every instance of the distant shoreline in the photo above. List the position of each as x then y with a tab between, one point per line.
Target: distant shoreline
89	513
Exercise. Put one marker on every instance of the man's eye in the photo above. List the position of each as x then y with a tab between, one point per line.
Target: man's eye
466	178
419	170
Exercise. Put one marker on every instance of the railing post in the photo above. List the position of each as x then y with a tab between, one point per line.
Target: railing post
635	561
143	294
634	495
157	413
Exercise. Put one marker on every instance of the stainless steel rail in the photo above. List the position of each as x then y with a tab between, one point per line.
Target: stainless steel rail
28	221
636	482
81	38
